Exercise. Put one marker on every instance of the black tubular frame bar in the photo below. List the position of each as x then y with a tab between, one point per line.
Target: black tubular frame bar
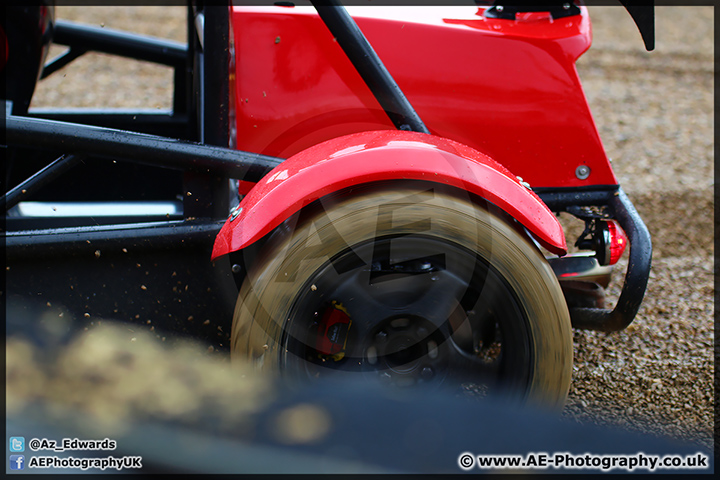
48	242
84	38
116	42
208	41
639	261
40	179
137	147
367	63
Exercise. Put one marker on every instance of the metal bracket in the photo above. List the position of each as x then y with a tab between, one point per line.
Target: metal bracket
507	10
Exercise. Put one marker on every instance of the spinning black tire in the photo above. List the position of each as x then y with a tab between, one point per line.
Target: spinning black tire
408	286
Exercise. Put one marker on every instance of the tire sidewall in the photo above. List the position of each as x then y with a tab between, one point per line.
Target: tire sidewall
337	223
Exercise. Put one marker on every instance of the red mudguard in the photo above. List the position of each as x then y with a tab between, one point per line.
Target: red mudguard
378	156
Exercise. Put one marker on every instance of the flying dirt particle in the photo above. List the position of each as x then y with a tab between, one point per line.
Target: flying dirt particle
87	315
313	287
277	39
206	322
97	253
191	318
210	349
49	304
124	250
143	287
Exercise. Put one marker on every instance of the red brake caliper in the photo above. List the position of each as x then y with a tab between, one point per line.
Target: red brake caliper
333	332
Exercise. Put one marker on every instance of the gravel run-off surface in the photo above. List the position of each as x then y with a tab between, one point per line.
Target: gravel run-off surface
654	111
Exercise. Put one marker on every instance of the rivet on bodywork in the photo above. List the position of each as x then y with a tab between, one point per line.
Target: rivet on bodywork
524	183
235	213
582	172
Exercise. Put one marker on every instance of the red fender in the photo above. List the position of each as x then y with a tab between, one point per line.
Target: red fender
376	156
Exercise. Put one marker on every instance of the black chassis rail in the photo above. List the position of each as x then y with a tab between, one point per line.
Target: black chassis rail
208	165
639	262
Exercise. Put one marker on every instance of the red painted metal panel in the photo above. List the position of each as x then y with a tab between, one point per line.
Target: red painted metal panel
507	88
378	156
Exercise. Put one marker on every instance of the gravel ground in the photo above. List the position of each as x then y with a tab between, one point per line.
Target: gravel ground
654	111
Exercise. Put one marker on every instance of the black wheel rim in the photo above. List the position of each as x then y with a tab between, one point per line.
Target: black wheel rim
421	311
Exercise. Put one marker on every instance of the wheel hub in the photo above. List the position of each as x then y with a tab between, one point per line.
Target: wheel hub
406	351
432	324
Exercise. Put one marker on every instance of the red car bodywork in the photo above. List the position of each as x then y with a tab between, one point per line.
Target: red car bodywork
376	156
508	89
